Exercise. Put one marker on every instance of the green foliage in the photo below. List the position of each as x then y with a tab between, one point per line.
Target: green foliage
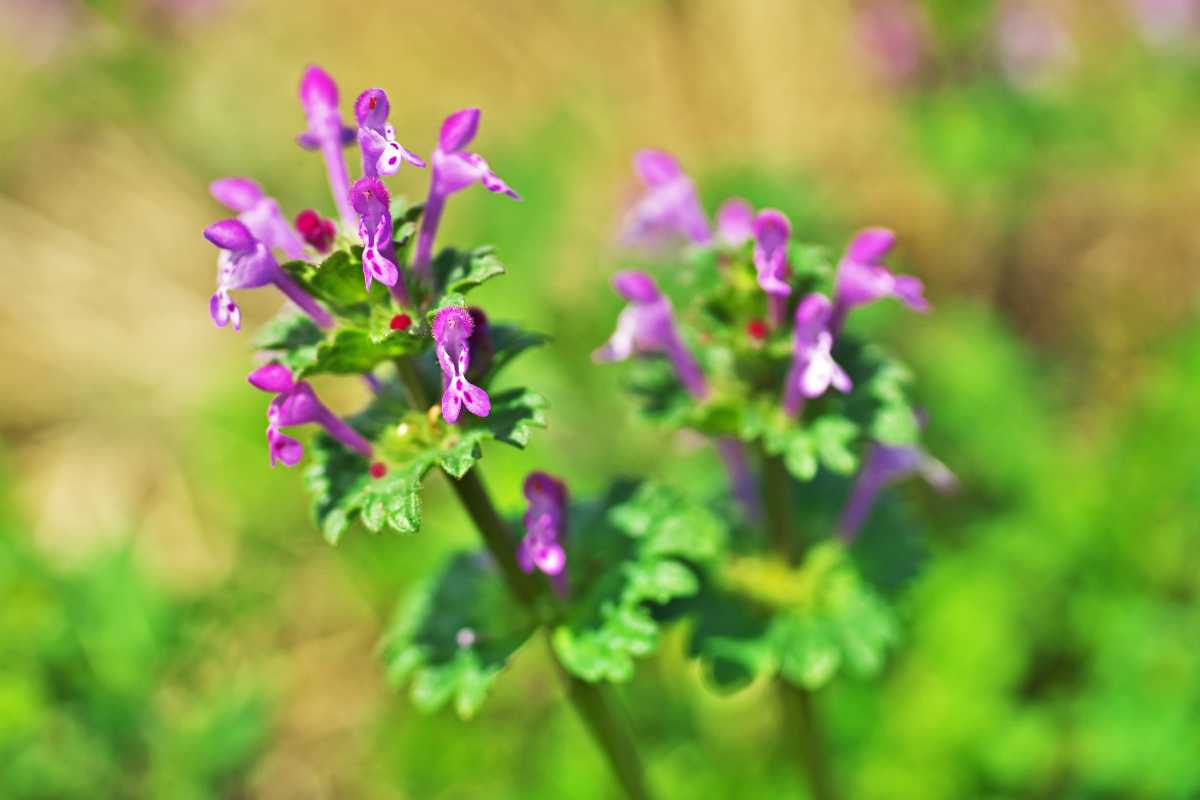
455	635
91	698
408	443
761	617
458	272
639	550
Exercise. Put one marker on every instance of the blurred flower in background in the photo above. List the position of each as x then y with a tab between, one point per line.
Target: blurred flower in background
1167	22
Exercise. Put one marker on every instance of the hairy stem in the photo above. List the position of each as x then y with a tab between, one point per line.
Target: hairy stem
800	719
590	701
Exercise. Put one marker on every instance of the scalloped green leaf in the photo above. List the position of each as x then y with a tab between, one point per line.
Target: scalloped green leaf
833	438
344	491
338	283
352	351
461	271
293	338
454	636
508	342
636	554
808	623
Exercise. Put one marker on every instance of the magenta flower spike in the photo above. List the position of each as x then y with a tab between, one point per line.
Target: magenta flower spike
295	403
247	263
325	132
452	329
668	210
813	369
454	169
647	325
381	153
735	222
862	278
771	233
371	203
886	465
258	212
545	528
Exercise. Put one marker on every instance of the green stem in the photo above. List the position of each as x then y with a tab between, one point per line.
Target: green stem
500	544
800	717
590	701
593	705
804	724
777	502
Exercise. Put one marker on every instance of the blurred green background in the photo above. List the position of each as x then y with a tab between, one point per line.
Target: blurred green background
172	624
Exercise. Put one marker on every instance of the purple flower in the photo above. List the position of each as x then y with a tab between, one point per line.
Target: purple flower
381	153
647	325
894	36
669	209
295	403
325	132
1031	42
483	350
735	222
371	203
771	233
454	169
886	465
258	212
813	369
545	528
452	328
246	263
862	278
741	480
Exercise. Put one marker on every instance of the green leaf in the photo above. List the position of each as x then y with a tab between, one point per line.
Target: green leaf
293	338
634	554
344	491
351	350
454	635
338	283
816	620
515	414
452	299
508	342
833	436
800	455
458	271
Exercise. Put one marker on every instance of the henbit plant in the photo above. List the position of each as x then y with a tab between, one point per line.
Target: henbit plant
756	358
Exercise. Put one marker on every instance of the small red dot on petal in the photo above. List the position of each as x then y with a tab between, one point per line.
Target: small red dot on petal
756	329
378	469
400	322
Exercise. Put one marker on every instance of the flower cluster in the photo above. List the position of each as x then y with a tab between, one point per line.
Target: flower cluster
746	343
728	378
307	263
